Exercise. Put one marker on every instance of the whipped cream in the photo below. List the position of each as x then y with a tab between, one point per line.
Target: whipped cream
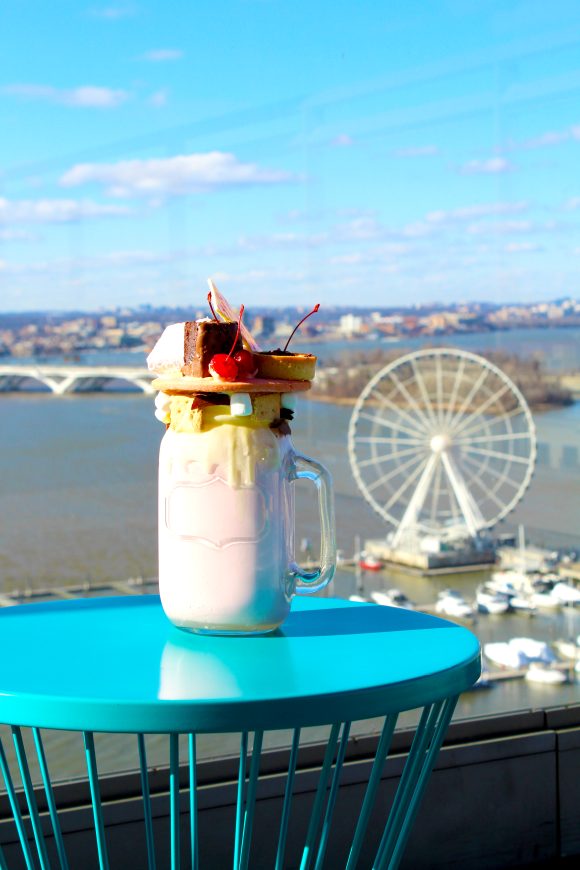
167	355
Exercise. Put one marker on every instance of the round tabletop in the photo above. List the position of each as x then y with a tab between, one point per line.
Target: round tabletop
117	664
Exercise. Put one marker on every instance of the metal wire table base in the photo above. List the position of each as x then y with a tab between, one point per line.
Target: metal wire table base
33	827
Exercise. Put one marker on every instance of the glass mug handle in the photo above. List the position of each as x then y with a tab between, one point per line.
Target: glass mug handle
307	582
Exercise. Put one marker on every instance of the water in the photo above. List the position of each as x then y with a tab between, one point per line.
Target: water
78	503
558	348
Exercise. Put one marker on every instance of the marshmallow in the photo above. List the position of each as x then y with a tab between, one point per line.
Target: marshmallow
240	405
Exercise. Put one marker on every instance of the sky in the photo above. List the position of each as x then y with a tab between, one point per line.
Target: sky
349	153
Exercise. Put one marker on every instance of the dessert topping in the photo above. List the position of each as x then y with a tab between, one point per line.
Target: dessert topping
241	405
223	366
246	363
211	307
314	310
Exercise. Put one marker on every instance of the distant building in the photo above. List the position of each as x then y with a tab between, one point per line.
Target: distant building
263	326
351	324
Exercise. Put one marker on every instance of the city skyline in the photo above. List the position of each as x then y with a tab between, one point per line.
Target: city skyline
343	155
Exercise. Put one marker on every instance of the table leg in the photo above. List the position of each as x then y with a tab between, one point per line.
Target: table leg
30	798
96	799
174	800
15	809
146	801
426	743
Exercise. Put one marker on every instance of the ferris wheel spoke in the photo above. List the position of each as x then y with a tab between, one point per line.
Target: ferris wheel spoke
384	478
411	399
494	454
387	403
404	486
436	491
376	439
506	417
501	476
468	507
488	493
439	387
411	515
424	393
481	410
467	400
391	456
454	390
390	424
485	439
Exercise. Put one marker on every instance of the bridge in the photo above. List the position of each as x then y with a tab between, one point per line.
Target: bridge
62	379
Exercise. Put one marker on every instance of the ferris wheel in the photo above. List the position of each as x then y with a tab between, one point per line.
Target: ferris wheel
441	442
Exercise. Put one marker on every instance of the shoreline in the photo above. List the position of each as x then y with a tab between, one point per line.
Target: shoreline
346	401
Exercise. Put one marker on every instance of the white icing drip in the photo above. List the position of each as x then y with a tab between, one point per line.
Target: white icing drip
236	451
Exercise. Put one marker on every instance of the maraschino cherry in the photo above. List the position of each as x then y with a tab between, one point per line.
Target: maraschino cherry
314	310
223	367
246	363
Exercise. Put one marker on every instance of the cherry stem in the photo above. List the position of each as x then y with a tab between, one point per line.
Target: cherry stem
211	307
314	310
241	314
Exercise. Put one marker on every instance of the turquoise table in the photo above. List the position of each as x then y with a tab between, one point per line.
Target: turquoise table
118	665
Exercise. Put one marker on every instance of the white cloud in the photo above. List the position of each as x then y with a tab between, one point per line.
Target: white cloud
572	204
113	13
521	247
85	96
361	228
490	166
159	98
15	235
343	140
500	227
159	55
468	212
416	151
174	176
545	140
55	211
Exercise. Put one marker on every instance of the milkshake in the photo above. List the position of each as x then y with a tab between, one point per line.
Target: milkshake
226	472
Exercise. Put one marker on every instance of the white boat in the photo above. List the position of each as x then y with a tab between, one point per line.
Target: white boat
508	581
522	604
451	603
519	652
568	649
490	601
392	598
545	600
515	585
566	593
359	598
534	650
502	653
539	673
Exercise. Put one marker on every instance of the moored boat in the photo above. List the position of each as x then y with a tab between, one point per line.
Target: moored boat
546	674
451	603
392	598
490	601
368	562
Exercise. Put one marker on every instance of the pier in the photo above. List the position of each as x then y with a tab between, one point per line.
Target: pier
62	380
